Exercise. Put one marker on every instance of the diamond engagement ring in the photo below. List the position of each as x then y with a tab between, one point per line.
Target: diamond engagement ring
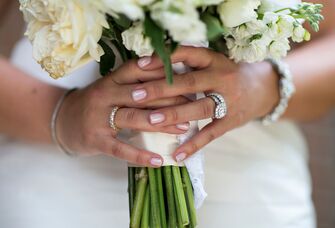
112	118
221	106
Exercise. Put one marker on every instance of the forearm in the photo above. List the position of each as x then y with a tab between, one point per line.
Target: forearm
313	68
26	105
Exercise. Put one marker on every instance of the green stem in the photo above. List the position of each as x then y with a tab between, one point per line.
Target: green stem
189	197
180	195
179	220
170	196
136	213
146	210
155	215
131	187
161	197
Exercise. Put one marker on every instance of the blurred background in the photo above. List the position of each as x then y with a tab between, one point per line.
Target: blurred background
320	134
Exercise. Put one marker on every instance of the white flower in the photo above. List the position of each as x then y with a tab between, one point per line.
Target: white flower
180	19
207	2
133	9
285	26
279	48
274	5
253	51
134	39
299	34
236	12
64	34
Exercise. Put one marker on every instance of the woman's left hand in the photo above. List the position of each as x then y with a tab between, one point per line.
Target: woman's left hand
250	92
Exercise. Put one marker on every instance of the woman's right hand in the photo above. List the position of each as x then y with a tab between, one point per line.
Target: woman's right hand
83	121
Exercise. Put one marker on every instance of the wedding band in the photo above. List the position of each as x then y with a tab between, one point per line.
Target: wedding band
112	118
220	105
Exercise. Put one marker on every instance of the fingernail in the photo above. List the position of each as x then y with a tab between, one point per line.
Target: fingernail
139	94
143	62
156	118
181	157
184	126
156	162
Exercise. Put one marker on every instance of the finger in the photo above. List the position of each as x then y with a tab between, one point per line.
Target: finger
131	154
209	133
194	57
136	119
130	73
189	83
167	102
197	110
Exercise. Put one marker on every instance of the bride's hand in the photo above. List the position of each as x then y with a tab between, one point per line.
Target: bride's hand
250	91
83	121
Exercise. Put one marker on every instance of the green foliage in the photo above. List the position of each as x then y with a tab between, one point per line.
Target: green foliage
157	36
214	26
107	61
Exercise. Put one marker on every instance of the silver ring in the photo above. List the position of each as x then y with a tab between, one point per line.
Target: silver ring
220	105
112	118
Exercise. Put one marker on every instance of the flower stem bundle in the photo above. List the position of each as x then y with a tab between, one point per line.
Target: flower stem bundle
163	198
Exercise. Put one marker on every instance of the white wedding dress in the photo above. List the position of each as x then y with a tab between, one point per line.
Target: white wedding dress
256	177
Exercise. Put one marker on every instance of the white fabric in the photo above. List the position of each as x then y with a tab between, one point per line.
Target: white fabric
256	177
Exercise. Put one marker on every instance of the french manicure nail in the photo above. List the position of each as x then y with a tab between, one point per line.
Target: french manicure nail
156	162
183	127
139	94
181	157
157	118
143	62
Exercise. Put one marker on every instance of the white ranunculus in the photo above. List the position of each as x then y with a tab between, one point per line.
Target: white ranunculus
279	48
133	9
134	39
236	12
180	19
64	34
273	5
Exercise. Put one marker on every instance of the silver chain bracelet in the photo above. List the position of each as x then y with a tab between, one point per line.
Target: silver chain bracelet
286	90
54	121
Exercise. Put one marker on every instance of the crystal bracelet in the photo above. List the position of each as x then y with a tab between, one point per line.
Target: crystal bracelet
286	90
54	121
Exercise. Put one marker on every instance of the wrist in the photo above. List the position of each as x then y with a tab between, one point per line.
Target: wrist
264	81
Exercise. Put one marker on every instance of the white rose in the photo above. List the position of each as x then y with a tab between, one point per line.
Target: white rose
236	12
279	48
134	39
64	34
180	19
274	5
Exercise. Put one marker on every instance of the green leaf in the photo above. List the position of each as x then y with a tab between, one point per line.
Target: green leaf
107	61
214	26
157	36
123	21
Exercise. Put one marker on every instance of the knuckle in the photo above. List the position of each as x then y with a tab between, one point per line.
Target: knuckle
173	115
130	115
116	150
190	81
207	109
155	91
139	158
193	147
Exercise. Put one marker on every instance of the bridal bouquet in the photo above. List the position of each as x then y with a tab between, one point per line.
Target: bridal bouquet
69	33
